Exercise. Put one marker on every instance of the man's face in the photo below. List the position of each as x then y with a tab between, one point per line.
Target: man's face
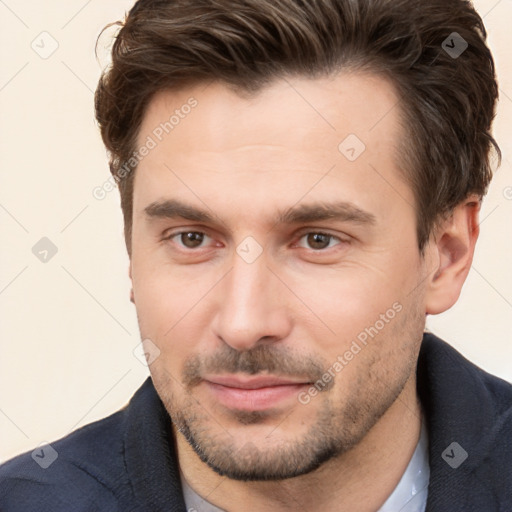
253	305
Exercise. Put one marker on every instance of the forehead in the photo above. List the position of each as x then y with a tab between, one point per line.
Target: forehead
324	134
297	111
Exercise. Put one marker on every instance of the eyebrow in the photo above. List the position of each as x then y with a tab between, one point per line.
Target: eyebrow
303	213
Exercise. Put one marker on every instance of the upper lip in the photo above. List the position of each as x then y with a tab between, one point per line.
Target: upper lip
251	382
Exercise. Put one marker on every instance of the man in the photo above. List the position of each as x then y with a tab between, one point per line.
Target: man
300	184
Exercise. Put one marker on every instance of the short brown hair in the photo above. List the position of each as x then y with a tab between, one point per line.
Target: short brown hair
447	101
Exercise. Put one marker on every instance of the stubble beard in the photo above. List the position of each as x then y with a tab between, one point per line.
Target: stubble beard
338	424
336	429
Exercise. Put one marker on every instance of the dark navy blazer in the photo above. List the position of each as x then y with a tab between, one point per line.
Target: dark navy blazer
127	462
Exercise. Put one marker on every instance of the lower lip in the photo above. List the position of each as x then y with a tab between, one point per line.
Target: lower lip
254	399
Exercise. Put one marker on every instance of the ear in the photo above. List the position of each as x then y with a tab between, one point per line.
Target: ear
132	298
452	248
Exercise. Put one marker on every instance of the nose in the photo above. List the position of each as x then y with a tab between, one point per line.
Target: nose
252	305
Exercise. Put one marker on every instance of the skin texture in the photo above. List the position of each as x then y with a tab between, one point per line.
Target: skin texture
302	302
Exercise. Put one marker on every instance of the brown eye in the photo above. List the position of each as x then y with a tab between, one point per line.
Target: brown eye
188	239
319	241
191	239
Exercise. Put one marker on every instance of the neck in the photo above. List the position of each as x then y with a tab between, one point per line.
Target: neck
360	479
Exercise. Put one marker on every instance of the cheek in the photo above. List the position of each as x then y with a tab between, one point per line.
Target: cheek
382	350
349	300
158	302
171	311
161	291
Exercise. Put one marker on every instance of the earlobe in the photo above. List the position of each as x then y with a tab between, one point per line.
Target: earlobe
454	246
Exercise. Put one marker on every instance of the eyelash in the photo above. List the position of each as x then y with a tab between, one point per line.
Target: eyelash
171	236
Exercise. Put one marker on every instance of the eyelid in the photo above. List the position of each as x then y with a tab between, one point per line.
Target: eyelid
342	237
169	235
317	231
305	231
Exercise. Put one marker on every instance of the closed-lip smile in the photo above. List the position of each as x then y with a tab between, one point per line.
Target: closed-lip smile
252	382
252	392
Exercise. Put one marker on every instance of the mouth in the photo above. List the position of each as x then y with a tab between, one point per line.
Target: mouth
253	393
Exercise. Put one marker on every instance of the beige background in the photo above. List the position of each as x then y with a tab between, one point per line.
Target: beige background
67	328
